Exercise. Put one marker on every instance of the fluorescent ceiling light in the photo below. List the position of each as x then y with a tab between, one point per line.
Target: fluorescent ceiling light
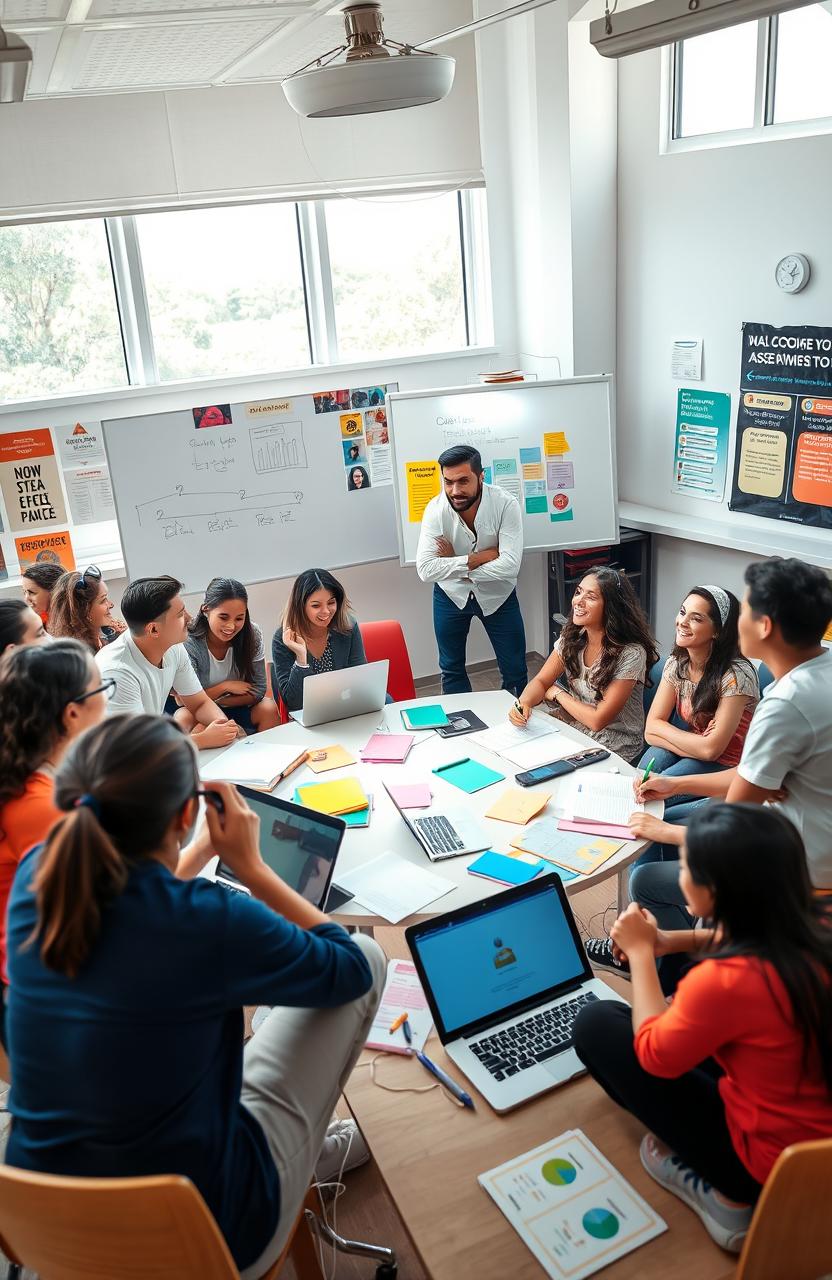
648	26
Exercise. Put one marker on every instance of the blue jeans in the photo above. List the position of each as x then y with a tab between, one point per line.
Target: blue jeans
655	886
665	761
504	629
655	852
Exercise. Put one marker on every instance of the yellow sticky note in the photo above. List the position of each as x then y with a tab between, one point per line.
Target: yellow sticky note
346	795
325	758
423	483
517	805
555	442
533	471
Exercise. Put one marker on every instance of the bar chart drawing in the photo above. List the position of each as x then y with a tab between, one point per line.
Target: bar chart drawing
277	446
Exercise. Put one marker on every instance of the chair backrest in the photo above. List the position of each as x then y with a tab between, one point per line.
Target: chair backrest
282	710
651	684
386	640
156	1228
764	676
790	1237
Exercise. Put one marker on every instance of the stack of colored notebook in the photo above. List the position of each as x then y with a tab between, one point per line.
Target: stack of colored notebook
344	795
387	748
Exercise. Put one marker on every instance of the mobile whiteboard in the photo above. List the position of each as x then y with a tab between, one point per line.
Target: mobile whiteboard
550	444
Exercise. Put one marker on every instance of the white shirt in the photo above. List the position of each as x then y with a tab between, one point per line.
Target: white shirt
498	523
139	685
789	744
222	669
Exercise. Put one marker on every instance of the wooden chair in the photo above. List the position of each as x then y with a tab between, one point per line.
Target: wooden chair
386	640
156	1228
791	1232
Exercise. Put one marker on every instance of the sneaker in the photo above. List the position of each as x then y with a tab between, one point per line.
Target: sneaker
343	1149
726	1225
599	953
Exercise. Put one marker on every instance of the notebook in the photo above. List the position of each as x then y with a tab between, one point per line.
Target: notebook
249	763
469	775
402	994
388	748
599	803
409	795
346	795
518	805
430	717
358	818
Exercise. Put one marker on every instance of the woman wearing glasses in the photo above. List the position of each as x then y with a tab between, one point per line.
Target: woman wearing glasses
81	609
48	695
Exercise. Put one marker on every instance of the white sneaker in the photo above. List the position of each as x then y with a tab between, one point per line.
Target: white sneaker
343	1149
724	1224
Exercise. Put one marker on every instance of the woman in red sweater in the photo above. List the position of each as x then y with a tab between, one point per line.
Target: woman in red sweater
739	1066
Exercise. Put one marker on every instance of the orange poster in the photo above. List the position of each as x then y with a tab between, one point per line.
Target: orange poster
45	548
29	479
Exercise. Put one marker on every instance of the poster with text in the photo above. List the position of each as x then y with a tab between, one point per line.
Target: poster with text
700	460
783	457
29	480
81	445
45	548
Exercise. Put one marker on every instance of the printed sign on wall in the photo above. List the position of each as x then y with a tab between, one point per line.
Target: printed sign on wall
29	479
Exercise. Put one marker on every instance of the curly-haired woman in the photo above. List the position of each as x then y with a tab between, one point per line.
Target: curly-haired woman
594	677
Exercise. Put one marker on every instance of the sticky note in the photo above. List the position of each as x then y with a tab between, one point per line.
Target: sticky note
468	775
518	805
555	442
333	758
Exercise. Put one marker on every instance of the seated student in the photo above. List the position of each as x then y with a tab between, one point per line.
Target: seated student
19	625
759	1004
318	635
48	695
141	972
149	661
595	674
81	609
38	582
226	651
709	685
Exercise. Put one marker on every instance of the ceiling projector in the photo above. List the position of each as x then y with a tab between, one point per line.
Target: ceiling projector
15	65
377	74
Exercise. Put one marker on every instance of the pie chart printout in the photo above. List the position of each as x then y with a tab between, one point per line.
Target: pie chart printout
600	1224
559	1173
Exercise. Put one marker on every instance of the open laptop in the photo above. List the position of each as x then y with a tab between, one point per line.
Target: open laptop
505	978
337	695
300	845
444	831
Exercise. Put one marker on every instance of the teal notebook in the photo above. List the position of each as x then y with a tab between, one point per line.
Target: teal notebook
469	775
361	817
431	717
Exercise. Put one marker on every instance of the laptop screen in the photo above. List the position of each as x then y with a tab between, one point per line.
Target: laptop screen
298	844
505	954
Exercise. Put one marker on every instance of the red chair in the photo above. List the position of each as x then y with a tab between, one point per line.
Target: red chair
386	640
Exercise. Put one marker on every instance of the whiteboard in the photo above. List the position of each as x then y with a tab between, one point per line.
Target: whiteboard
263	495
551	444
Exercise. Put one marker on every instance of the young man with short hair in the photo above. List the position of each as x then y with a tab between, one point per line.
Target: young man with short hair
471	549
149	661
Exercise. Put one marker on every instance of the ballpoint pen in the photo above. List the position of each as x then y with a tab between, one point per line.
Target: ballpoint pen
651	762
445	1080
408	1035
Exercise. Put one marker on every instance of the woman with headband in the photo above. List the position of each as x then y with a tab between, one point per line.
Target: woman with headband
594	677
707	694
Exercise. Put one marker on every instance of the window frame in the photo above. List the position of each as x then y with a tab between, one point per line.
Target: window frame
764	127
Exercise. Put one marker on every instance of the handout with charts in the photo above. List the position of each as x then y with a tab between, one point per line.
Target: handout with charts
571	1207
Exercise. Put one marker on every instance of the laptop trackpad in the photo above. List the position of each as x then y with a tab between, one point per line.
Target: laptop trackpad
565	1066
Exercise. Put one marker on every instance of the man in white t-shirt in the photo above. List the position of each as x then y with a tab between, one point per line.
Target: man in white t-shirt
149	661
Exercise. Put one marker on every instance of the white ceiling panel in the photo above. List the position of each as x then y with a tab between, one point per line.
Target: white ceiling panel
16	12
101	10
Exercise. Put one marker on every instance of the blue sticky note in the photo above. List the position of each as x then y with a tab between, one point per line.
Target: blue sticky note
468	775
487	474
529	456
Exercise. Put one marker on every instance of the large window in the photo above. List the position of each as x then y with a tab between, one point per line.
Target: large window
225	292
755	79
59	324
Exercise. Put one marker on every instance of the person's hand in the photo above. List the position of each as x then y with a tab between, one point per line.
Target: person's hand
488	554
444	548
634	930
553	692
219	734
777	796
235	832
297	644
657	787
709	728
238	689
519	713
644	826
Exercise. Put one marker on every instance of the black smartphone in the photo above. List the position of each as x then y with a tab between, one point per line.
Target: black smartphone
558	768
213	798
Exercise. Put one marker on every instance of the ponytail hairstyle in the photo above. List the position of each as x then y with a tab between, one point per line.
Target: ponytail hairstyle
37	683
624	623
725	654
69	609
244	644
121	785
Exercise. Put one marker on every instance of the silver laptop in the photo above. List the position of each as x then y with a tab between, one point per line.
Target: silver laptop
444	831
337	695
505	979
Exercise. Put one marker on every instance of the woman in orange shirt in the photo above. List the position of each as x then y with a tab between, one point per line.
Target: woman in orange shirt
739	1066
48	695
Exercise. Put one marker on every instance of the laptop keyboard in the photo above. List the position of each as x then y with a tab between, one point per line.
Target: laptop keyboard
541	1036
440	835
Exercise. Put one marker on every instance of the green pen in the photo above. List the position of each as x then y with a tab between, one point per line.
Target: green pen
647	770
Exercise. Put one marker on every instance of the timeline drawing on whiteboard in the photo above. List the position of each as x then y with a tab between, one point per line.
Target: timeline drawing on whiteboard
183	513
277	446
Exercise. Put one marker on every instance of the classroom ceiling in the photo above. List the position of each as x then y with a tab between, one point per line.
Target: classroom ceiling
119	46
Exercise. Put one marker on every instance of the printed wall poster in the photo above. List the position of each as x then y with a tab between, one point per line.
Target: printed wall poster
700	460
90	494
80	445
45	548
783	452
29	479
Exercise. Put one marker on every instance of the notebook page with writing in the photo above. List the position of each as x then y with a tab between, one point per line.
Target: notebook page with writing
599	797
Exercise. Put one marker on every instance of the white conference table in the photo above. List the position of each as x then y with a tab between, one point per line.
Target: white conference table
387	832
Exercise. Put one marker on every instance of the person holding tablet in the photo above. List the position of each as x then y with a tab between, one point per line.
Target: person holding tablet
141	973
594	677
38	582
226	651
739	1066
709	686
318	634
20	625
81	609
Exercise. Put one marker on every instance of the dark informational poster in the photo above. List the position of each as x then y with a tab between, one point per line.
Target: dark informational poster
783	458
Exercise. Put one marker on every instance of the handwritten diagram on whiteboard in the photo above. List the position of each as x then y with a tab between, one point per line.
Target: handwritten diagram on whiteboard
277	446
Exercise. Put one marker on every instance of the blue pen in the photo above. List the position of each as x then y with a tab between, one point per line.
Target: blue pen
450	1085
408	1034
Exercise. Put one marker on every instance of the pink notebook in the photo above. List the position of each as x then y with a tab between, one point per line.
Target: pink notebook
596	829
387	748
409	795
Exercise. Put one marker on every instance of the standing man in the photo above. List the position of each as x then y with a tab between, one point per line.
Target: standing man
471	548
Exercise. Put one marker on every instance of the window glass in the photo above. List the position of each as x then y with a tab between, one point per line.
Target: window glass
718	77
803	80
396	275
225	290
59	325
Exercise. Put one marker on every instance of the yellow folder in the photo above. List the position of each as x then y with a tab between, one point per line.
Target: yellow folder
517	805
342	795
